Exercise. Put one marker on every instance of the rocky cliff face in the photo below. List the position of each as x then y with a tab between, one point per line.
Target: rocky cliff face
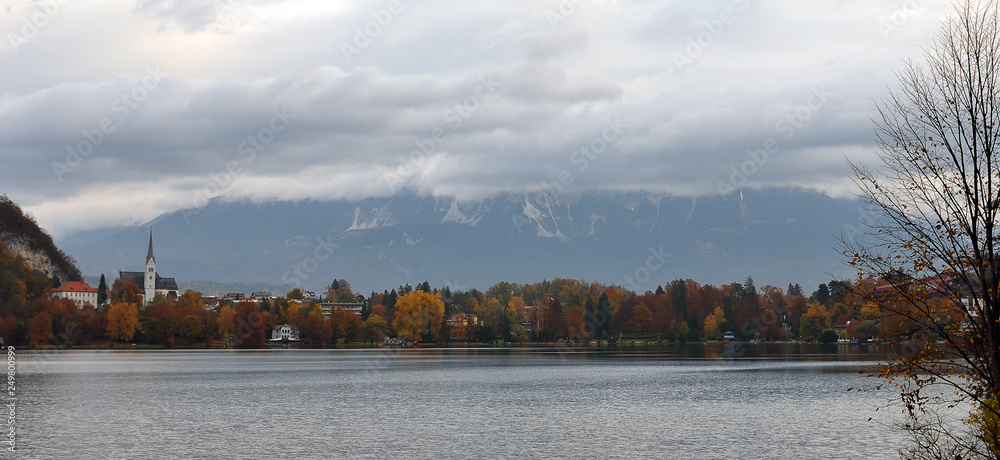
22	235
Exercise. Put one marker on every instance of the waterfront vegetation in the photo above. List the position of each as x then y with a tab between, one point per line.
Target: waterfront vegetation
548	311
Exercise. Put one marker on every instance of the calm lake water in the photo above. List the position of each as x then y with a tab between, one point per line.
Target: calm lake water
700	401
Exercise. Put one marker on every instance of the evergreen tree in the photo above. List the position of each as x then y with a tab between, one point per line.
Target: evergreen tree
102	291
589	315
839	290
822	295
679	298
389	299
659	290
752	299
603	316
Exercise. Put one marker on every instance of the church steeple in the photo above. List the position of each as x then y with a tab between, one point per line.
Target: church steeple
149	254
149	279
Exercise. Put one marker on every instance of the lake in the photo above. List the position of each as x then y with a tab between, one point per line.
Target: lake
710	401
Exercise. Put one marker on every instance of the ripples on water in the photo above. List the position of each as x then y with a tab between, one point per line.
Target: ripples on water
672	402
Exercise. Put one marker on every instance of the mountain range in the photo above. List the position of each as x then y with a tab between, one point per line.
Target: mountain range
639	240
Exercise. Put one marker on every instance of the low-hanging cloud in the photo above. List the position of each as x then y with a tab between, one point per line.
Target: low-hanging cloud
191	101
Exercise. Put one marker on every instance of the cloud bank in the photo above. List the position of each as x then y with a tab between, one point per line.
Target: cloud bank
112	112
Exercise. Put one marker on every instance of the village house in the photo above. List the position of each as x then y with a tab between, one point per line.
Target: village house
77	291
284	333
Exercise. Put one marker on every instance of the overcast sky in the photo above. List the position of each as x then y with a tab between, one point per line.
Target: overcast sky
114	111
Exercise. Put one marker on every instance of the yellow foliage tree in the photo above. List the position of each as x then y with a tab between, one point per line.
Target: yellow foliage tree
518	305
720	316
815	320
418	312
226	321
123	318
711	328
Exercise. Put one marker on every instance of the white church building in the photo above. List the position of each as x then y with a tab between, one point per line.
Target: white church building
149	281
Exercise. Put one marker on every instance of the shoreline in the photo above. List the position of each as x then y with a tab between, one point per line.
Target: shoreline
453	345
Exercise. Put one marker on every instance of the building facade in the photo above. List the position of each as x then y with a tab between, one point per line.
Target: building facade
149	281
77	291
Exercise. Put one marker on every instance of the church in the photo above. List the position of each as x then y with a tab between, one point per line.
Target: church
150	281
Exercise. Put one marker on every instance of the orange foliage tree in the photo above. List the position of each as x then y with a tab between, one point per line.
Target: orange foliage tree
123	319
251	325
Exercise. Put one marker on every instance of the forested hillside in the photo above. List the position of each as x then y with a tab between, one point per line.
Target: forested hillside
21	234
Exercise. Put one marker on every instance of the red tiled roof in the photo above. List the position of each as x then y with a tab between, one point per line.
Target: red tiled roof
75	286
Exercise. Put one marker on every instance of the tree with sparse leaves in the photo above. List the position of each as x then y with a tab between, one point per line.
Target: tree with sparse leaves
935	241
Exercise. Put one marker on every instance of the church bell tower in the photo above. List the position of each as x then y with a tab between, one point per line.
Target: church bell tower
149	280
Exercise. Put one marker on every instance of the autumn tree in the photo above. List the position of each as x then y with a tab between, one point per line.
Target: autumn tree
518	305
251	325
863	329
374	329
797	306
418	313
160	319
340	291
718	319
40	327
191	328
123	319
642	318
124	291
492	313
502	291
934	193
7	327
316	330
815	320
711	328
225	323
